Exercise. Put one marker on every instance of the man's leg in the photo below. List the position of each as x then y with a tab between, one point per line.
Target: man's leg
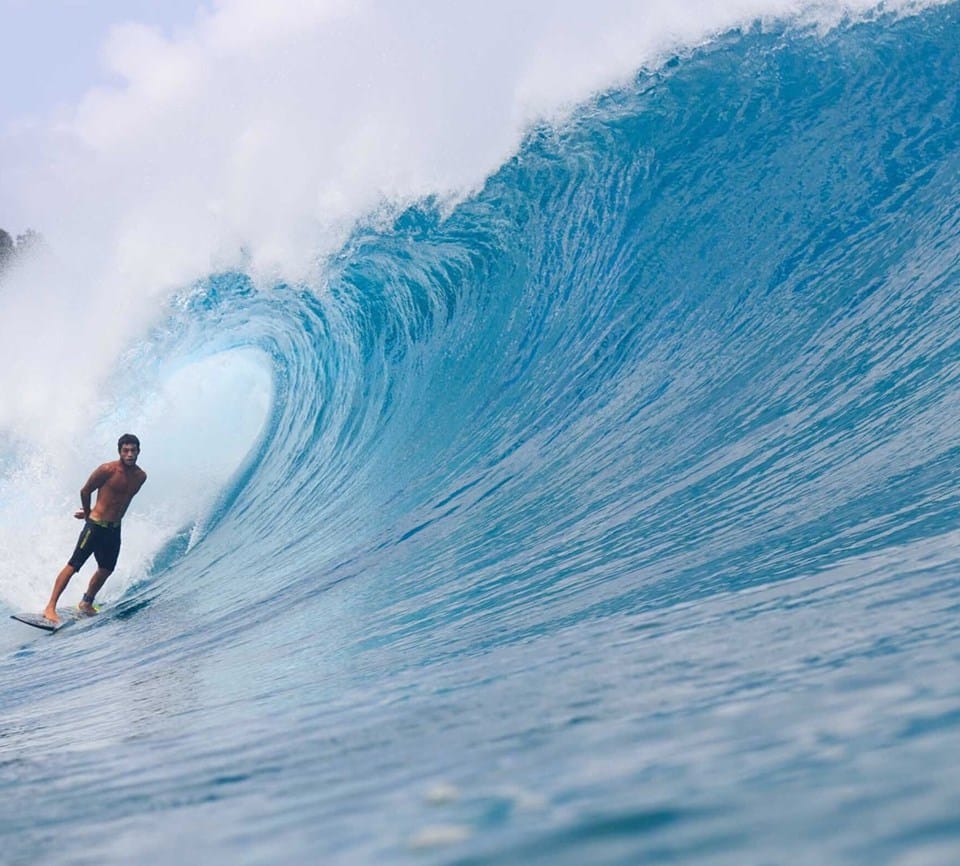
59	585
98	579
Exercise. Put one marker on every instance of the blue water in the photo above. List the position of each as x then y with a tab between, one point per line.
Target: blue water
610	518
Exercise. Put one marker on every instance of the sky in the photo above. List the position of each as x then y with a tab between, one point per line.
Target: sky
50	50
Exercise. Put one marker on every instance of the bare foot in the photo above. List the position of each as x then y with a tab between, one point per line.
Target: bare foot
87	609
51	614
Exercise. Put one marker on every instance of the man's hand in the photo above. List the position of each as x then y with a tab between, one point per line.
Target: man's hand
80	515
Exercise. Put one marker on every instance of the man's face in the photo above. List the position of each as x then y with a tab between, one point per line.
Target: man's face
129	454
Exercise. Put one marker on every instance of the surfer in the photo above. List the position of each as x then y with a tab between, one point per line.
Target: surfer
116	484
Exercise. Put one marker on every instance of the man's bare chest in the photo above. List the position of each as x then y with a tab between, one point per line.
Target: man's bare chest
121	484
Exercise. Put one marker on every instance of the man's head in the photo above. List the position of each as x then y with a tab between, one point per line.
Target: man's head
129	448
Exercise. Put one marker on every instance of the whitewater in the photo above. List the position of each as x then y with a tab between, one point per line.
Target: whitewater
551	436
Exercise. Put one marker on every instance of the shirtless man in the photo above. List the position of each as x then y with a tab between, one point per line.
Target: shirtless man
116	484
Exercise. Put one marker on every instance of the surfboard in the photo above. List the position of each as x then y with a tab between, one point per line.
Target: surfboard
38	620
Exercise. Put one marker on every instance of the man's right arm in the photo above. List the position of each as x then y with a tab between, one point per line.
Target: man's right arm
94	482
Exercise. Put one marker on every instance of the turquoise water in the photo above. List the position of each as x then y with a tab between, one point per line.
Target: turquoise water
609	519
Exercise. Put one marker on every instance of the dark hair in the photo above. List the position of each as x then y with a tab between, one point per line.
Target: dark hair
128	439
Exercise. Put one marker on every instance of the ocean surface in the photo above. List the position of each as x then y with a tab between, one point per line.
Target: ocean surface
609	516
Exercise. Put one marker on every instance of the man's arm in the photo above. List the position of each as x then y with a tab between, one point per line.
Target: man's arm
96	480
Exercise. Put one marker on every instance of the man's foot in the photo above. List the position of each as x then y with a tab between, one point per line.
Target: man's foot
87	609
50	613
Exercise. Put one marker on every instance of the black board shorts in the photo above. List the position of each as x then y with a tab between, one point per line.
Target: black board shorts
102	540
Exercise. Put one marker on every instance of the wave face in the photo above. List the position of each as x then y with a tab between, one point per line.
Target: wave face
608	518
